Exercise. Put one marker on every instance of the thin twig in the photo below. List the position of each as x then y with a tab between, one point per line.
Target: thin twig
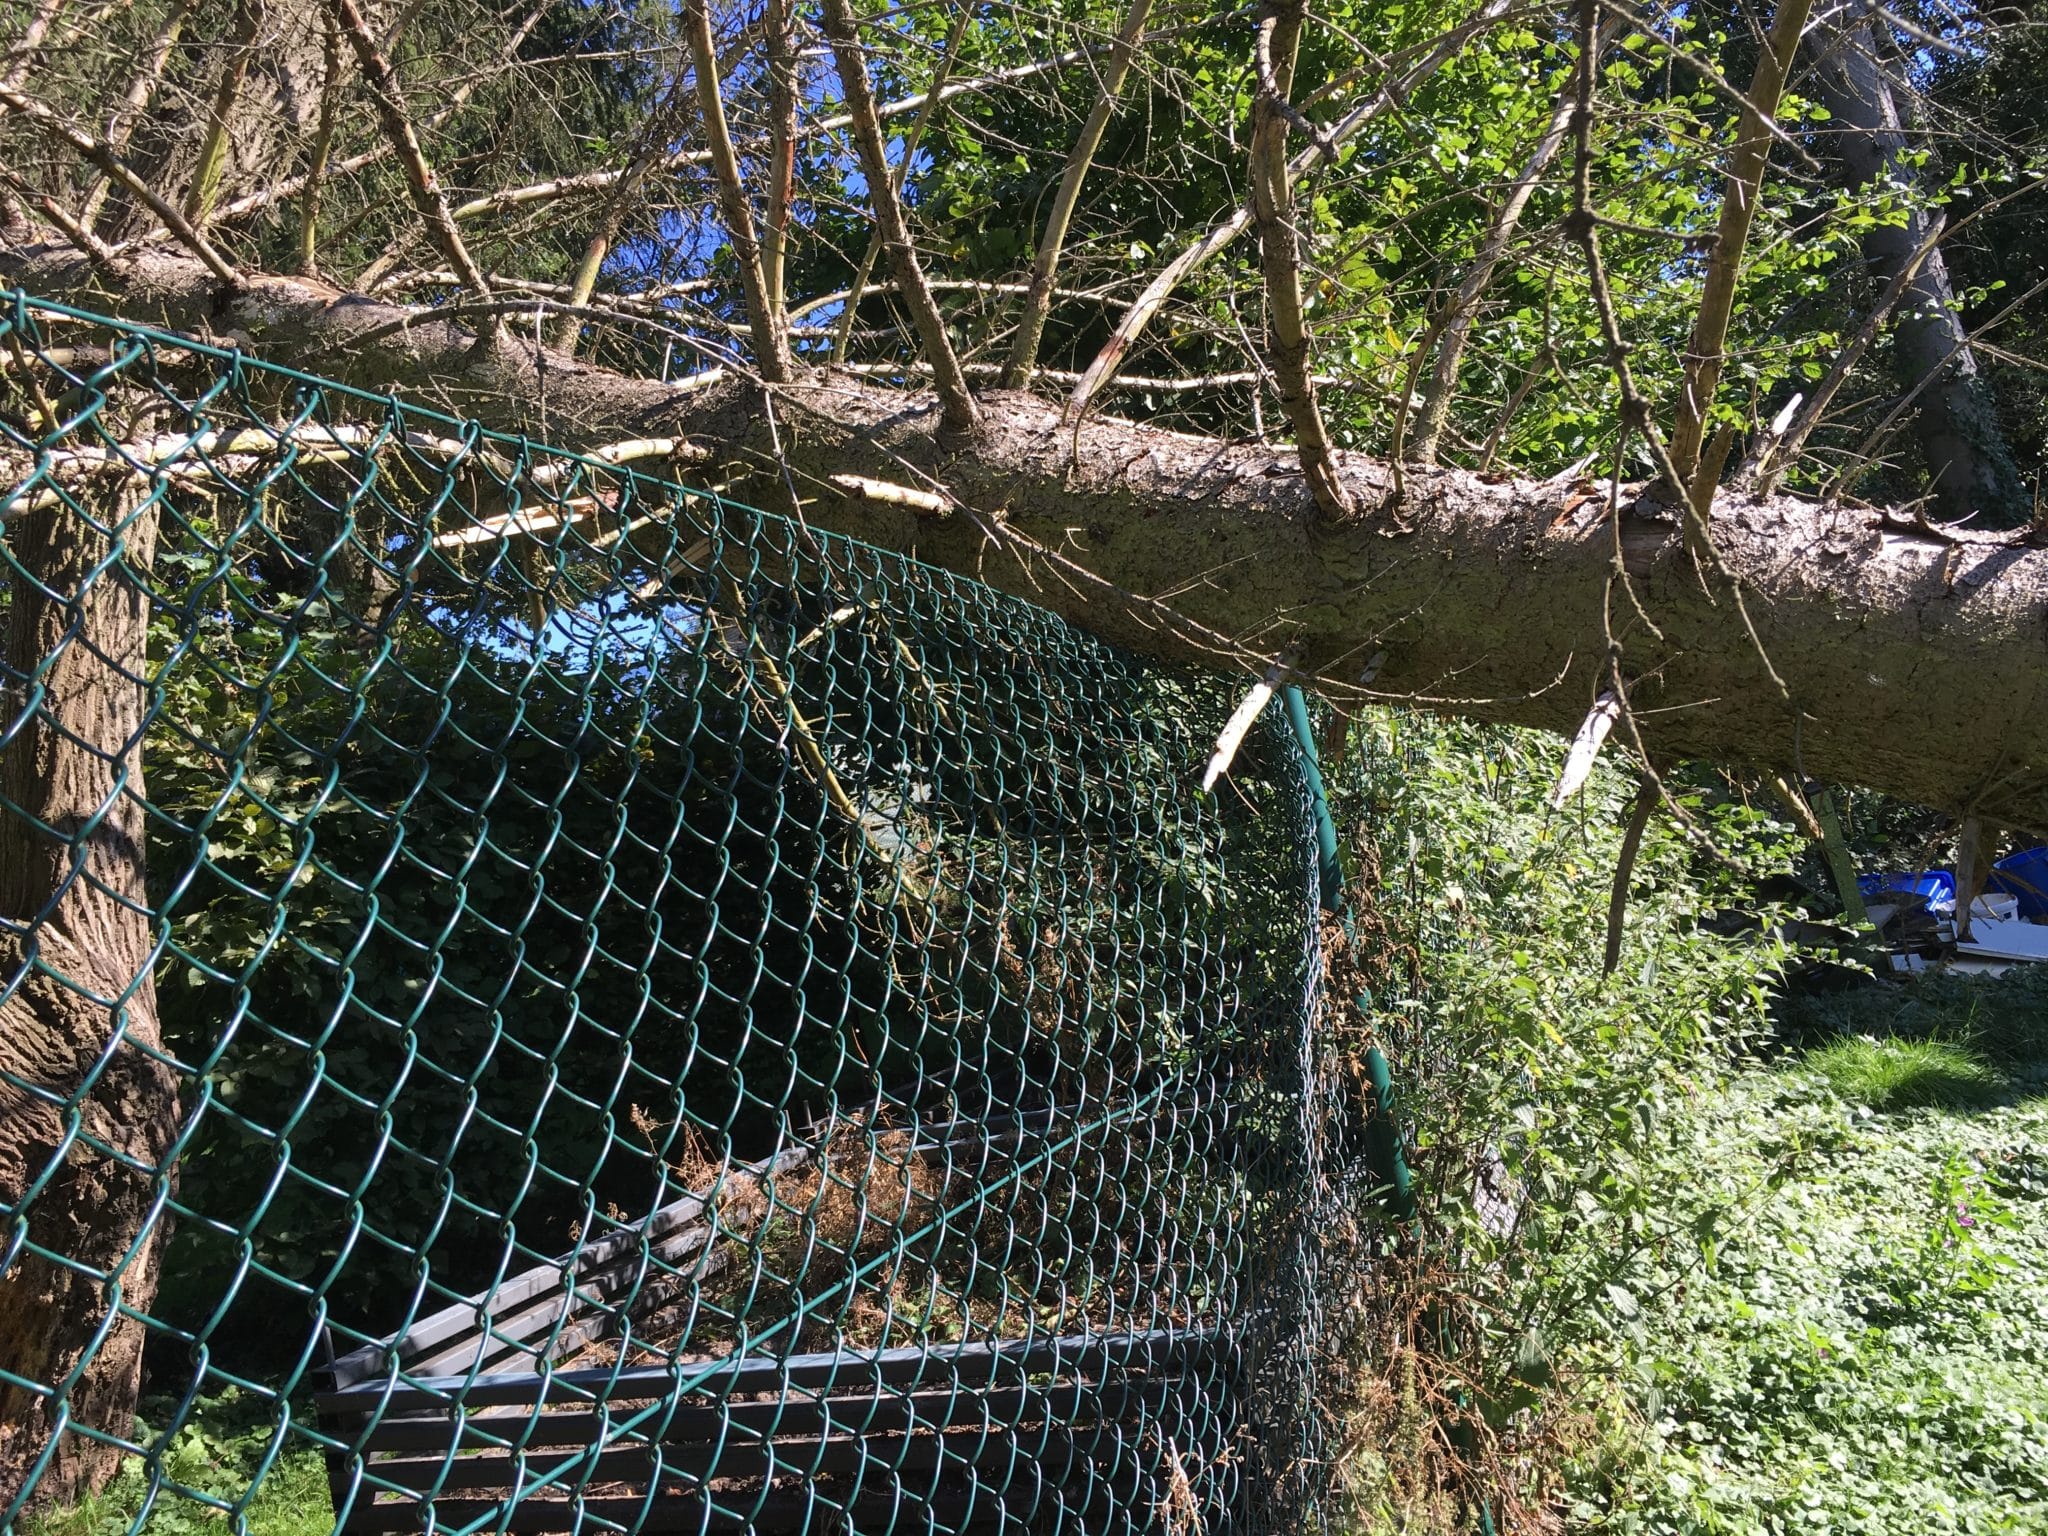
597	181
983	287
959	412
771	343
1045	267
1452	327
1583	224
1540	367
1711	75
427	196
1782	449
1226	229
1863	457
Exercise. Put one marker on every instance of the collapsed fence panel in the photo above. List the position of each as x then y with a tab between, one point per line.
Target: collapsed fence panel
564	1002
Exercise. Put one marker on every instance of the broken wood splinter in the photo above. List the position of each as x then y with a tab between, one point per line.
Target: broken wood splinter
929	503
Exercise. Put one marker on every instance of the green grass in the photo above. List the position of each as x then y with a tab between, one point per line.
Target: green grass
217	1452
1887	1074
1775	1264
1852	1335
2004	1019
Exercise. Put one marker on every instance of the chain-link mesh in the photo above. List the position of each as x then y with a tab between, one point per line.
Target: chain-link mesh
562	1002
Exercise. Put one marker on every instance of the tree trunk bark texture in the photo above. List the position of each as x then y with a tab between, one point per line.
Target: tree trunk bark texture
1957	428
87	1112
1914	661
254	102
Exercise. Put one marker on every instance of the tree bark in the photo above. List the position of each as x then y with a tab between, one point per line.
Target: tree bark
87	1112
222	142
1969	467
1914	661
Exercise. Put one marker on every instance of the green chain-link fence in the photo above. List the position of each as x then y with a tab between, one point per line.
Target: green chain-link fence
567	1003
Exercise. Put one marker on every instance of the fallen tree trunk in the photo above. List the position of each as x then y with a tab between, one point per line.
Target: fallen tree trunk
1913	661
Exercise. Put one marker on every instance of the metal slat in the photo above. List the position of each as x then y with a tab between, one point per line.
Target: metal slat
591	1265
796	1415
968	1363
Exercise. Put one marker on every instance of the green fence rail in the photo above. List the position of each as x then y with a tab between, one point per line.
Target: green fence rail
536	998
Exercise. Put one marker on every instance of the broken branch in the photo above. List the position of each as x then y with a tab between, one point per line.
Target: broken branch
427	196
956	401
894	495
1639	811
771	341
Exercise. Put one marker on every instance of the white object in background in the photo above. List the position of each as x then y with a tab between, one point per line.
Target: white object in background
1995	904
1995	940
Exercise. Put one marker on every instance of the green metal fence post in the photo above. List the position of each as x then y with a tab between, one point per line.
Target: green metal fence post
1327	859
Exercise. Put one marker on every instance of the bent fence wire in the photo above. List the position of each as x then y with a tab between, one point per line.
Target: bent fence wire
579	1005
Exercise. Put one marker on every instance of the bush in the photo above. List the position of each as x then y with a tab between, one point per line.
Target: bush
1549	1105
1671	1277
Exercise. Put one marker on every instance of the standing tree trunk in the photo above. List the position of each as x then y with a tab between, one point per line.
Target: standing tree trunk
1968	465
88	1111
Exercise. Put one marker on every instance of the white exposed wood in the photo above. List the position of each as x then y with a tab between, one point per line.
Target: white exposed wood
632	451
1585	750
492	529
211	455
1239	725
927	502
